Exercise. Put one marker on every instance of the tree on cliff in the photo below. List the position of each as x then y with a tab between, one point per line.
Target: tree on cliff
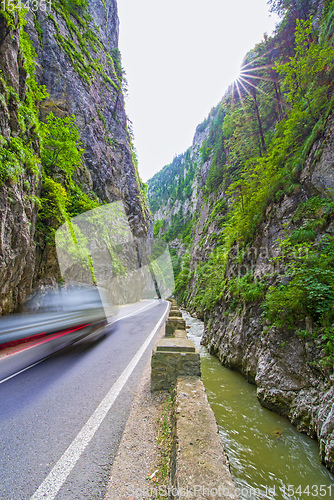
61	146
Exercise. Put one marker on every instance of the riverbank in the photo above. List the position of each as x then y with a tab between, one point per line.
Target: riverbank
266	452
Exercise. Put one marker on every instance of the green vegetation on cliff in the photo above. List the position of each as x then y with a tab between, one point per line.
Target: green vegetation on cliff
174	186
256	144
20	151
61	157
50	152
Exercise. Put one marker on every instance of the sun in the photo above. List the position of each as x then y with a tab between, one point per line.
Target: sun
247	81
236	73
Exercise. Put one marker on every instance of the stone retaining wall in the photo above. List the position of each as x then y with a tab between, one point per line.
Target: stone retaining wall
199	467
172	358
198	464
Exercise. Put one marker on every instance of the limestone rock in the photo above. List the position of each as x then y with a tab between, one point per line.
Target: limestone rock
285	367
26	259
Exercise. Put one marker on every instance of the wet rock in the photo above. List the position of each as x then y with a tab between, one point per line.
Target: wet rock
17	210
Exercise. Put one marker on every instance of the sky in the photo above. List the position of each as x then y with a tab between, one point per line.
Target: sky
180	56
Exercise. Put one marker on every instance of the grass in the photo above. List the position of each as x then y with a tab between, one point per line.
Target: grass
159	474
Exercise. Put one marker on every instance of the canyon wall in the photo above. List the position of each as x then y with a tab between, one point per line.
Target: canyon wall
77	60
286	364
254	256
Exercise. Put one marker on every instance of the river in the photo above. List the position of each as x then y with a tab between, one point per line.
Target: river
269	458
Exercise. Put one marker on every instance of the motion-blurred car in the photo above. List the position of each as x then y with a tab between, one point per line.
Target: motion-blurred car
53	320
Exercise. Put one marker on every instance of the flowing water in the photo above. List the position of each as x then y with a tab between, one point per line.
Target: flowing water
268	457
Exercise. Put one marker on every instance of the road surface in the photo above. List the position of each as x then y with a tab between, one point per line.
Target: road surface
61	420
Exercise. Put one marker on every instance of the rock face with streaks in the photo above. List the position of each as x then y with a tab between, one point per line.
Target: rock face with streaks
17	210
287	365
284	364
79	63
92	91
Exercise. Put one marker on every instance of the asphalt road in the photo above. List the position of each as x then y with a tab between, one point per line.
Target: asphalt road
62	420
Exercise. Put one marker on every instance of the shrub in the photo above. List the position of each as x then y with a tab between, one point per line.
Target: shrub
309	292
246	288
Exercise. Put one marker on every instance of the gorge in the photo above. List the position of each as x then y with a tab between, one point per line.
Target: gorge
247	212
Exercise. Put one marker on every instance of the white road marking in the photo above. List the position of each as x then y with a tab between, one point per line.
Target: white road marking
21	371
134	312
58	475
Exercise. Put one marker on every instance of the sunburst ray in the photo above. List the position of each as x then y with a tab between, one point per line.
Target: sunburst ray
257	88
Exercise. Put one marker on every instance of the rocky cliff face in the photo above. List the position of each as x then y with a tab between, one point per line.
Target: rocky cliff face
288	365
91	89
79	63
17	209
173	194
285	364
